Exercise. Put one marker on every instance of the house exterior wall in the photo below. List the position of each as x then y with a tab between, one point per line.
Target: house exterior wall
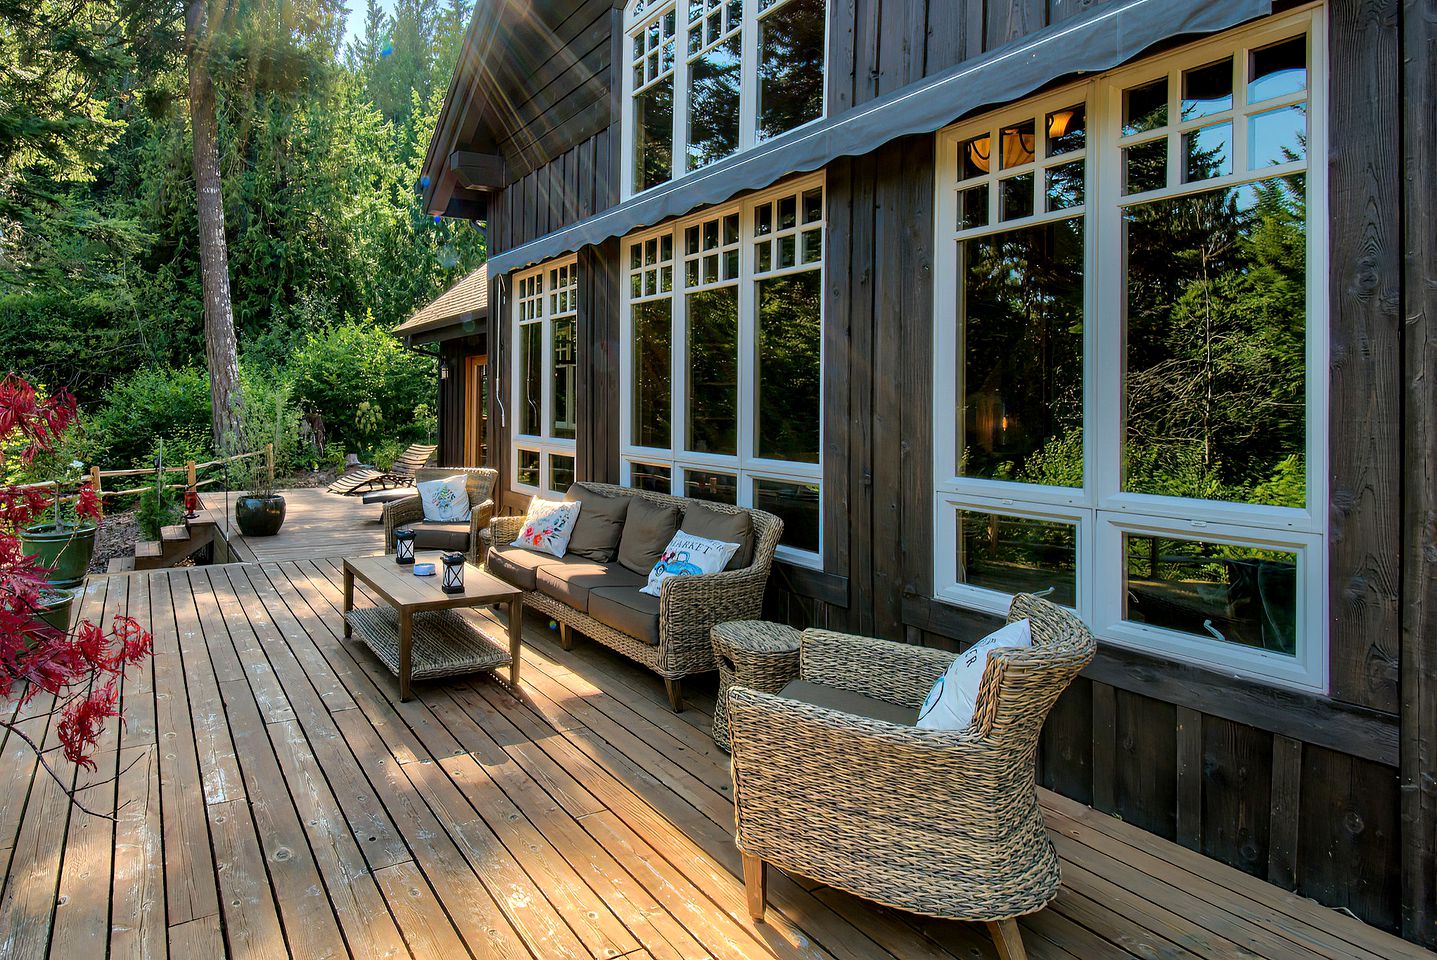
1300	789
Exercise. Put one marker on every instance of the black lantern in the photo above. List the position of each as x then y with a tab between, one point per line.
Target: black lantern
453	573
404	546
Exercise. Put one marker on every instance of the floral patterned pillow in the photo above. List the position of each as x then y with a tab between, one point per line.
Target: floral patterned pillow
548	526
444	501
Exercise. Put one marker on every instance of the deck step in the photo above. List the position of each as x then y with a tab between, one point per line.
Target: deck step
177	532
149	549
120	565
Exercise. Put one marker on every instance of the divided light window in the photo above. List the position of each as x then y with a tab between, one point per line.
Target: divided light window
1130	344
545	338
721	386
706	78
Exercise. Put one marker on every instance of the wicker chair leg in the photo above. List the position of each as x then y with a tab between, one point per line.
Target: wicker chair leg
1007	939
755	881
566	640
676	694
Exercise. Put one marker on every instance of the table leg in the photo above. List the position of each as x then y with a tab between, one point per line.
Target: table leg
516	630
348	600
406	629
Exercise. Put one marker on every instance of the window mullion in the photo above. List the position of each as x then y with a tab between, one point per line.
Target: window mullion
679	354
747	340
680	165
748	77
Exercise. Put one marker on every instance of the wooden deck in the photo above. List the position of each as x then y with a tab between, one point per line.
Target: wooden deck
316	524
275	800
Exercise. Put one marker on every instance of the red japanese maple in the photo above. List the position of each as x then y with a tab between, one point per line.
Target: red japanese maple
79	668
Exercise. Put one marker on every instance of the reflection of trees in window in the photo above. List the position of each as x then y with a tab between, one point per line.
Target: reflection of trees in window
1018	555
652	351
789	343
713	371
1216	329
790	67
714	103
1022	354
531	360
653	134
565	378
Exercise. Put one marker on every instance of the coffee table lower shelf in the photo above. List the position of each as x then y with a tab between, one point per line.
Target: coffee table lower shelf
443	643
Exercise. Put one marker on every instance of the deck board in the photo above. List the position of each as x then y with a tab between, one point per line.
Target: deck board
276	800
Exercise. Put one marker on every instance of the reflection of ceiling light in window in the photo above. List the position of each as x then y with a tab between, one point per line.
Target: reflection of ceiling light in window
1017	146
1058	123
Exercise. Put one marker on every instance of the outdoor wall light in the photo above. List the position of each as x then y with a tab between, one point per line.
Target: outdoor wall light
404	546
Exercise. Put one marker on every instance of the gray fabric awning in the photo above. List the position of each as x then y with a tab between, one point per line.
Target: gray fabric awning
1111	34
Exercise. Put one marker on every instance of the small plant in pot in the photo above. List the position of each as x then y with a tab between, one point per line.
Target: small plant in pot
63	510
259	508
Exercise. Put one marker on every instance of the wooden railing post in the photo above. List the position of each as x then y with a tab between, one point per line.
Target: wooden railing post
269	461
99	494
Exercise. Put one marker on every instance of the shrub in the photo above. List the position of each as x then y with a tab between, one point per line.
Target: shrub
159	507
152	405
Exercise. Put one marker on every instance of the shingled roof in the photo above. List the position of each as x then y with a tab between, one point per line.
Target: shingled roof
467	300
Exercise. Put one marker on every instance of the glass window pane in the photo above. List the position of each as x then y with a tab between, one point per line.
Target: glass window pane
1018	555
1067	130
1278	136
1065	186
1207	90
1145	107
1277	70
528	467
707	485
1020	415
973	207
652	400
813	205
1018	144
790	67
566	373
561	472
647	476
531	371
1145	167
654	135
797	505
973	157
713	371
1216	339
1017	197
1226	593
713	103
1207	153
789	342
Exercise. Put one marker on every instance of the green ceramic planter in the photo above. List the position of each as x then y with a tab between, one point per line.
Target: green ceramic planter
260	516
56	607
66	551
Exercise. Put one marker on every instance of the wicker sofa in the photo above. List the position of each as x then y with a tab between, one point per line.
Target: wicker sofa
668	634
478	482
833	782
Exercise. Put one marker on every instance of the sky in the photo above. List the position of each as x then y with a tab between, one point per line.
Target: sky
354	21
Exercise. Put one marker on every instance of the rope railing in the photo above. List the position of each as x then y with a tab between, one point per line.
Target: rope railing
189	469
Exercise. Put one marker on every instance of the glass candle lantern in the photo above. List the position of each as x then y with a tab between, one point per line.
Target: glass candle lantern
404	546
453	573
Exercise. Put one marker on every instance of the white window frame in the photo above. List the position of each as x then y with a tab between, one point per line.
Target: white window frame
746	465
1101	510
638	15
544	443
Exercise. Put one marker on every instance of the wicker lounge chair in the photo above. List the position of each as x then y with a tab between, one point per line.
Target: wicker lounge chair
940	823
409	512
401	474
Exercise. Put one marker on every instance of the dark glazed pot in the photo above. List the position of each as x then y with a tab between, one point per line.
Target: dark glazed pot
260	516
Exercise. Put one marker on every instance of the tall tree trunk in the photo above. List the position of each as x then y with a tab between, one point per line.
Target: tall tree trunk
220	349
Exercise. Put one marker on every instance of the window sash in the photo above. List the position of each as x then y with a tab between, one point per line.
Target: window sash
1101	509
542	295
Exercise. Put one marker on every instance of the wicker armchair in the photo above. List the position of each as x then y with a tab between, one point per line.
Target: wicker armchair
940	823
478	481
689	607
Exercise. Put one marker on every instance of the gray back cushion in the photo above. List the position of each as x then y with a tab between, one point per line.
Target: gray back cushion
600	525
647	530
727	527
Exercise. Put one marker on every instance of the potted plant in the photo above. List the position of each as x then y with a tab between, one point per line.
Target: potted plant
259	509
61	537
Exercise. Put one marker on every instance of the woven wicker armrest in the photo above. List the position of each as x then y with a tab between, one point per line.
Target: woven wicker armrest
503	530
689	607
480	516
900	673
398	513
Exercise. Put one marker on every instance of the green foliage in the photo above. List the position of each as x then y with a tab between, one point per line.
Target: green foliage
158	507
154	405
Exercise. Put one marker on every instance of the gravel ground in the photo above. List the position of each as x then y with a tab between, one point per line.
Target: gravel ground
117	536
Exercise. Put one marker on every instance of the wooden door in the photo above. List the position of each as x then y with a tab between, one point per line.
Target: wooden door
476	411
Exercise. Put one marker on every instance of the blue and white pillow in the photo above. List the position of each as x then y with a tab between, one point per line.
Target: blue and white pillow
950	704
688	556
444	501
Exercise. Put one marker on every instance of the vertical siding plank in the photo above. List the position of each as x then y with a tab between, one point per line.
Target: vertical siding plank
842	35
838	354
1189	778
860	395
915	333
1009	20
890	366
1286	810
1237	786
1105	744
1067	757
1145	763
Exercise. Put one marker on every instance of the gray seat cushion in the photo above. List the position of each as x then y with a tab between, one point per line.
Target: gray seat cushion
600	525
518	566
843	701
570	582
439	536
627	611
647	530
726	527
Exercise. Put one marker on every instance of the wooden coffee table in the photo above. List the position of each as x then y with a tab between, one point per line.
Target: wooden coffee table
417	632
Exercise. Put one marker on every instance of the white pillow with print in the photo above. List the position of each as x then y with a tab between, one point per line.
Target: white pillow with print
548	526
688	556
949	705
445	501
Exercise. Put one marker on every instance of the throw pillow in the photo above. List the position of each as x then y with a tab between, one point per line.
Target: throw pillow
729	527
600	524
688	556
444	501
547	526
949	705
647	530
